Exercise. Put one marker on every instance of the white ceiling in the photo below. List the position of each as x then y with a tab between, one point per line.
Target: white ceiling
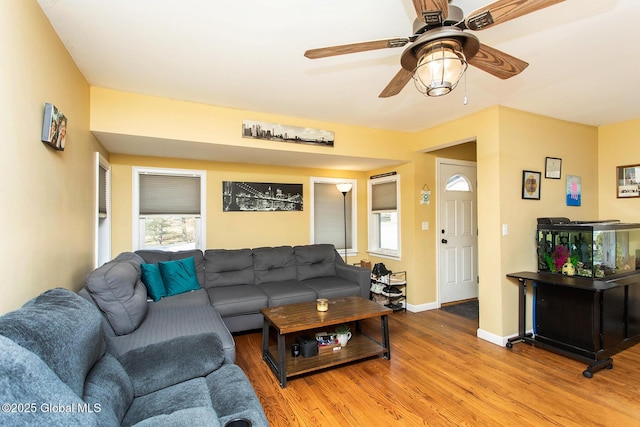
583	55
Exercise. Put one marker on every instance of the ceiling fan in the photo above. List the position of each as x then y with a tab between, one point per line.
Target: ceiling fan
441	44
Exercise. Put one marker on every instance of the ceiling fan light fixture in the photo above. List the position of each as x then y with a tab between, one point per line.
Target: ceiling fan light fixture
441	65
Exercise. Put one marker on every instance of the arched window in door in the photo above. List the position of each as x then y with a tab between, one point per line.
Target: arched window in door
458	183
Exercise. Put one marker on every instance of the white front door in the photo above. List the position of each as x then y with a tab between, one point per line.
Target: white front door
457	231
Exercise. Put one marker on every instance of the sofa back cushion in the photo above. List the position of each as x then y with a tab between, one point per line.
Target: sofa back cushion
315	261
227	267
61	328
118	291
154	257
27	381
274	264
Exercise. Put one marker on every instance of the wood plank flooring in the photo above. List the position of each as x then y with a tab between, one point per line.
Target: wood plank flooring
441	374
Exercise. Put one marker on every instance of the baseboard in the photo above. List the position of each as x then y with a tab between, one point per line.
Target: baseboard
493	338
422	307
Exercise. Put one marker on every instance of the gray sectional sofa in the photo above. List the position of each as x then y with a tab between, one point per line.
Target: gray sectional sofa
168	362
56	370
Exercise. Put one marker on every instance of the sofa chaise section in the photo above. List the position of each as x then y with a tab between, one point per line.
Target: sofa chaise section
132	321
53	356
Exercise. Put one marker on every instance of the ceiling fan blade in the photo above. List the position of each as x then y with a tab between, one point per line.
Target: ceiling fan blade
397	83
344	49
431	11
497	63
504	10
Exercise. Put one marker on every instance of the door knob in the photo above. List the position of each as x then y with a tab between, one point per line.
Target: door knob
444	240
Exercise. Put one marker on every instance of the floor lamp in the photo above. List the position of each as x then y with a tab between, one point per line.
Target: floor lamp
344	189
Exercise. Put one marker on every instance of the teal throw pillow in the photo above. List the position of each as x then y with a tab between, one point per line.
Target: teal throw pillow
153	281
179	276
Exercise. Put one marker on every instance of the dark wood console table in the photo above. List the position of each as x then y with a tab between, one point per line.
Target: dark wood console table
585	319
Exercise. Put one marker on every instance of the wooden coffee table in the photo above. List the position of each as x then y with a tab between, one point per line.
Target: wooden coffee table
290	321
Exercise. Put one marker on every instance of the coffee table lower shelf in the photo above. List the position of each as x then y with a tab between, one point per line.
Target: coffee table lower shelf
360	347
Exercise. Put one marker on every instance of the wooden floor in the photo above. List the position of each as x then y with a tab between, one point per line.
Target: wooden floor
441	374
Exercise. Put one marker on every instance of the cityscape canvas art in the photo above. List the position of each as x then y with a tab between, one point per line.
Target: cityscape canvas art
259	196
286	133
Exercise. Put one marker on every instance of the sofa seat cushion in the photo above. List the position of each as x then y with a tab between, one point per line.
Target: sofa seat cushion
151	256
192	417
274	264
228	267
61	328
118	291
189	394
165	323
234	300
199	297
333	287
287	292
315	261
26	379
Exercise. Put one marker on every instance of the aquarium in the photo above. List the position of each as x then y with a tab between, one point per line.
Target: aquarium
594	249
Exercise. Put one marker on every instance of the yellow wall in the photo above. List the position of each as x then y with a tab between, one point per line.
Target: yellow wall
508	142
47	212
618	146
231	230
49	196
525	140
112	112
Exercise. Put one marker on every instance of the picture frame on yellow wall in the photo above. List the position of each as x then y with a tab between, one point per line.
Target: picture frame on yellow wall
628	181
531	185
553	168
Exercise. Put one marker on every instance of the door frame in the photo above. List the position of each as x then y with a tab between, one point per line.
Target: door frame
439	196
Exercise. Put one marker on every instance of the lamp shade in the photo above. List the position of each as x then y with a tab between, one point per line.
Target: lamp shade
440	67
344	188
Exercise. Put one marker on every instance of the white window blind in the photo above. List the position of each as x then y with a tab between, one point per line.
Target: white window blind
384	196
328	211
102	192
169	194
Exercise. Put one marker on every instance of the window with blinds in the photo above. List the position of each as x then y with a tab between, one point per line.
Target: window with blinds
169	194
384	216
102	191
329	215
170	209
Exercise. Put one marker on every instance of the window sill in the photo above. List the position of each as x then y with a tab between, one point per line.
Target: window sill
387	255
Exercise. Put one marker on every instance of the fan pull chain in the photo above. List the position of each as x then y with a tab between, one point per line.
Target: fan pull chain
465	89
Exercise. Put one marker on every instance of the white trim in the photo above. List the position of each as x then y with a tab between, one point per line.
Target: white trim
373	245
137	233
353	250
495	339
423	307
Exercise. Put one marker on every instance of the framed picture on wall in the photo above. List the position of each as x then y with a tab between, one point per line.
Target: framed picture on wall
574	190
531	185
552	168
627	181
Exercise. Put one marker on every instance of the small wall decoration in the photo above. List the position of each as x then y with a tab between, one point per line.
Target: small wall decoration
574	190
285	133
54	127
258	196
553	168
628	181
531	185
425	195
